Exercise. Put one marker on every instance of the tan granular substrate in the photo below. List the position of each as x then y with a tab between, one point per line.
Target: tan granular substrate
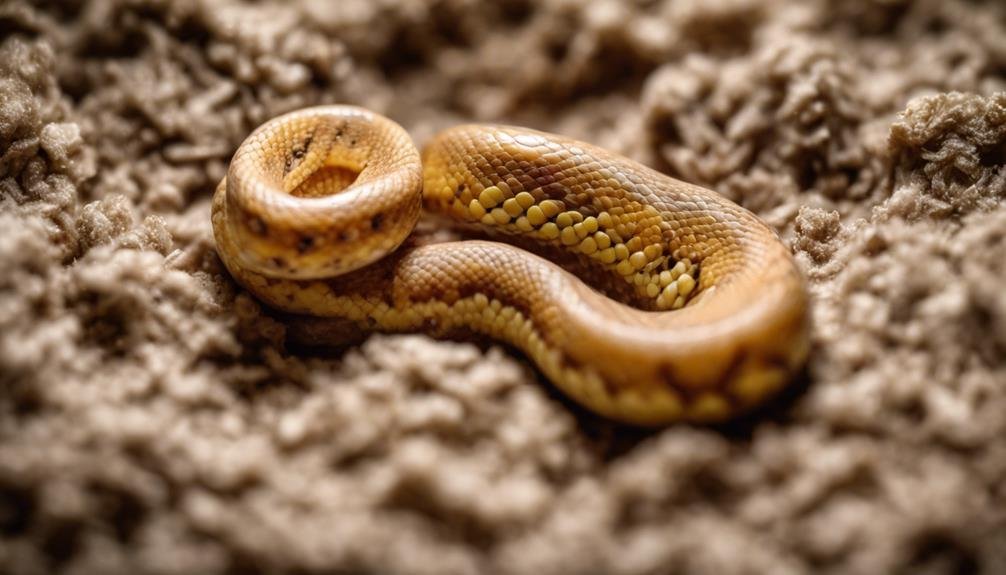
151	419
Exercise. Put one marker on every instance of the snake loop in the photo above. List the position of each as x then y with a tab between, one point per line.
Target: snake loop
316	202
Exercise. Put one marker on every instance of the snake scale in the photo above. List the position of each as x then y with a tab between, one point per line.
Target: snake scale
713	312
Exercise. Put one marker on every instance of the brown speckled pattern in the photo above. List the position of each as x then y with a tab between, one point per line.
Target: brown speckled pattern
720	322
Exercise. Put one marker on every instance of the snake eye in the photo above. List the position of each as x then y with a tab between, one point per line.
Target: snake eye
297	153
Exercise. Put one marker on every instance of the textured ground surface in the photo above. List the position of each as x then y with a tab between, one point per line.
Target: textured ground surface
151	419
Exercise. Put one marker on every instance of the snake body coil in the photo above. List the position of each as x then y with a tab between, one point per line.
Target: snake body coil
719	321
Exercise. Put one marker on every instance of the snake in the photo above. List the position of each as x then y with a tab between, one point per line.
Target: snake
643	298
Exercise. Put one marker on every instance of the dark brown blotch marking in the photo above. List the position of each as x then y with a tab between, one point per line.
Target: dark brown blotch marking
689	395
771	360
777	361
734	367
610	388
557	191
279	262
376	221
304	244
257	226
667	374
430	324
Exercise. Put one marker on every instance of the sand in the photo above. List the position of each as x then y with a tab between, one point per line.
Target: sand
153	418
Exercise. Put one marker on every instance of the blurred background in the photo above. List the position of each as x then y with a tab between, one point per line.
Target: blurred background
153	420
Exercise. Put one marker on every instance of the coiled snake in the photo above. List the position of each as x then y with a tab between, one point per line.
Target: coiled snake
718	320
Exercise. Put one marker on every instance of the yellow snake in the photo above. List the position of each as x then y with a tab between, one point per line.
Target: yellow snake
717	320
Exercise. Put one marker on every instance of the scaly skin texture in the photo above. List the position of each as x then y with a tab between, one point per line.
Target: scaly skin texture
315	198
